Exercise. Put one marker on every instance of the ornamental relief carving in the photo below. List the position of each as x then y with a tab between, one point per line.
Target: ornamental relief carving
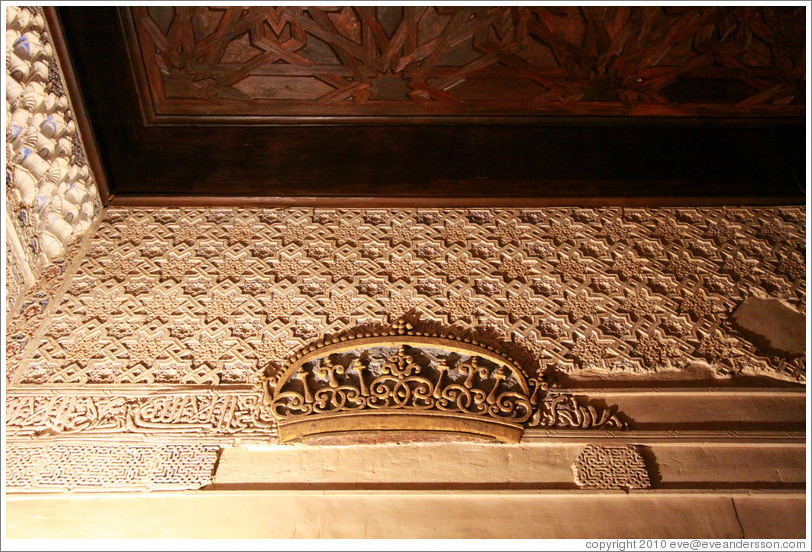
186	297
186	302
599	467
405	378
88	467
369	379
51	195
67	413
422	60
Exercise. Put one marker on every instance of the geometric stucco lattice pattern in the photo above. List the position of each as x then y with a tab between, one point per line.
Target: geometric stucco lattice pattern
213	296
600	467
29	311
105	467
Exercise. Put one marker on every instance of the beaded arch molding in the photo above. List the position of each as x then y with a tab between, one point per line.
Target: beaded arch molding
407	378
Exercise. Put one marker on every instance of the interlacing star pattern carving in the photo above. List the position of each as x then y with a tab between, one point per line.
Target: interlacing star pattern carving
424	60
236	289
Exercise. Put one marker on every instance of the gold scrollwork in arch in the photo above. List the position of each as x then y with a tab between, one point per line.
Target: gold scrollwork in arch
410	380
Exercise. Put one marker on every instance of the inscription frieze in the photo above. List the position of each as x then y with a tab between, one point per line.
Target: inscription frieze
210	413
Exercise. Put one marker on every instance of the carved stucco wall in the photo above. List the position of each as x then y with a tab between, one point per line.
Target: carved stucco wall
168	317
212	296
138	340
148	358
51	197
102	466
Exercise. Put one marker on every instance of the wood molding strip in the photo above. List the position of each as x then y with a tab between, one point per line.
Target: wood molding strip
438	202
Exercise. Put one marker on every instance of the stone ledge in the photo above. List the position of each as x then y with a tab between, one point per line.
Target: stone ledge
268	514
538	465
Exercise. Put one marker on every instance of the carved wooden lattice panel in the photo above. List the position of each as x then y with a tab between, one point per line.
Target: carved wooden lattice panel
470	61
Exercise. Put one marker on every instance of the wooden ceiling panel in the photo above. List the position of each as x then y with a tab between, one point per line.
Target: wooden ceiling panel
440	105
291	63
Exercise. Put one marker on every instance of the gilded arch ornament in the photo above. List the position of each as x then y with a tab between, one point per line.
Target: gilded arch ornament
408	378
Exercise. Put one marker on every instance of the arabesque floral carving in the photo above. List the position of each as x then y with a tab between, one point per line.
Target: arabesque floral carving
407	370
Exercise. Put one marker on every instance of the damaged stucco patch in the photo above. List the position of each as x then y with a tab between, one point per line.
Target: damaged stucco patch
771	325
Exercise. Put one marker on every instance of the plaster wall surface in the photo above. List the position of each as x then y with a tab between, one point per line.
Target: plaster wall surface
169	296
268	514
528	465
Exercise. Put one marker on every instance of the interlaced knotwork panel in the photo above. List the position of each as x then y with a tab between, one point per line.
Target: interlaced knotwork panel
614	467
108	467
